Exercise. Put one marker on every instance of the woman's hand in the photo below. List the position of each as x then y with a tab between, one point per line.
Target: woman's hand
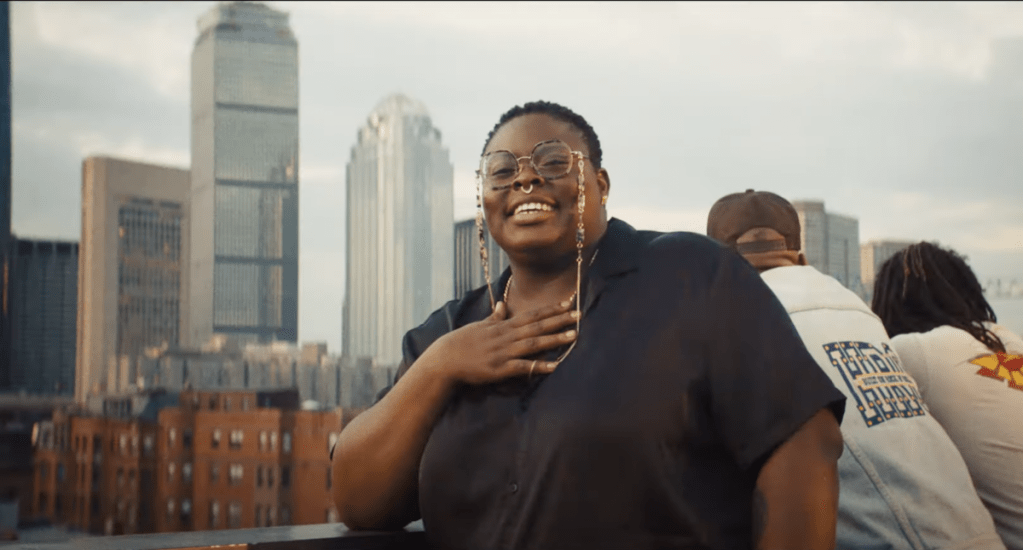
496	347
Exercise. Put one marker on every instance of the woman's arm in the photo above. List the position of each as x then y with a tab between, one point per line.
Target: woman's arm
376	458
795	503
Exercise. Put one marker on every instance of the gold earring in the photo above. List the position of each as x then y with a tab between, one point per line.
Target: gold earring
603	200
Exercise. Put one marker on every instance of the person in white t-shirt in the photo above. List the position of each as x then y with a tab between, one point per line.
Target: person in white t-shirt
968	367
902	482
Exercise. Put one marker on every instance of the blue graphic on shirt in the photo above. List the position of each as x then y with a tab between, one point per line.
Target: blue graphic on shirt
881	389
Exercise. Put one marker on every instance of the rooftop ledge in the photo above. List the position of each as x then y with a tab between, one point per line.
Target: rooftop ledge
329	536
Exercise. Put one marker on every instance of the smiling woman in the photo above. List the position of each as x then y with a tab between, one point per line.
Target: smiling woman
614	397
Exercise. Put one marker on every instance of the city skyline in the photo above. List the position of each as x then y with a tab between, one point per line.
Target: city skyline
904	116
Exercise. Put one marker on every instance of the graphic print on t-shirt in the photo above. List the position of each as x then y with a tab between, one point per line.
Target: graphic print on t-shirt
876	381
1002	366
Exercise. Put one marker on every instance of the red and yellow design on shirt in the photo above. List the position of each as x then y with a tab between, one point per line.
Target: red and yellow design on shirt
1002	366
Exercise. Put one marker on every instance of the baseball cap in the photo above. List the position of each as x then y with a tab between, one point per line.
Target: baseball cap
733	215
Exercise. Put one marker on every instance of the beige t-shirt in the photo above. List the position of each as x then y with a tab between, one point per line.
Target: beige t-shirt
978	398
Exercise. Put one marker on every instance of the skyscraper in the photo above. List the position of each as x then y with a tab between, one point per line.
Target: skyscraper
399	229
831	243
132	270
468	266
244	175
5	192
43	313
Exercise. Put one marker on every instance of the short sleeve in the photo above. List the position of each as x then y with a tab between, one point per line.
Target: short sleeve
764	384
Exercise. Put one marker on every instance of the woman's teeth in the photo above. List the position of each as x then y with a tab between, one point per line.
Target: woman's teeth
533	207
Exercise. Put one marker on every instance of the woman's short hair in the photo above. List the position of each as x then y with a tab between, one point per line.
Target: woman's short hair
559	112
926	286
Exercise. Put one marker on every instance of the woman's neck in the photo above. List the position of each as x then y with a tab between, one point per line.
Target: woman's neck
534	286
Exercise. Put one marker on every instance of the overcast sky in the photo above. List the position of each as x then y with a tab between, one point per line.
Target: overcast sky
908	116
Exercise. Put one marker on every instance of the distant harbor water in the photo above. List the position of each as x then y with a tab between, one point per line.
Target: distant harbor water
1009	313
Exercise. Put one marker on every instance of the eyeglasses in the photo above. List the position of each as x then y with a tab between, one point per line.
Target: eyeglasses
550	159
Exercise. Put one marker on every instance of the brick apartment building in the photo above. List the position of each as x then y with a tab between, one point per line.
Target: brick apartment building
196	460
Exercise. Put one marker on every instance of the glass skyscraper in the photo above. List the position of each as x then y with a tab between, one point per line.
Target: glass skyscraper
244	267
400	230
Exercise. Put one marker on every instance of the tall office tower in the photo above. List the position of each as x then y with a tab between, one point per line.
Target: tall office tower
244	175
872	255
468	267
43	312
5	193
831	243
400	229
132	270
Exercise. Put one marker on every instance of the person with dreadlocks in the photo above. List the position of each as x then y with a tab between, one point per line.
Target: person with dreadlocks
902	483
608	391
969	369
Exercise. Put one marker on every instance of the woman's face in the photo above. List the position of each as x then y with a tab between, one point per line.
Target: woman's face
550	231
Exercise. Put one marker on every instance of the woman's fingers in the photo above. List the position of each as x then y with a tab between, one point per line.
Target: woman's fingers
523	319
528	367
535	344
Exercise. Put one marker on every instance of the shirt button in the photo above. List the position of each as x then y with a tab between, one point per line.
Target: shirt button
513	487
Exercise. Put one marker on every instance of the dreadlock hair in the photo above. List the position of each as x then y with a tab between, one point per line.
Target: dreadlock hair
924	287
559	112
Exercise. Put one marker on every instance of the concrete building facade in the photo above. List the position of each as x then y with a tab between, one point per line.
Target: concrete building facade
43	311
872	255
244	175
399	229
831	243
132	271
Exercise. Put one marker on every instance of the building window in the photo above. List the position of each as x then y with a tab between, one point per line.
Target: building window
214	514
273	441
236	439
269	476
170	510
120	478
215	441
186	439
170	472
259	476
258	516
285	515
186	511
262	442
186	472
60	473
286	442
172	435
147	444
44	472
227	404
234	514
235	473
214	472
213	403
123	444
332	515
269	520
245	403
285	477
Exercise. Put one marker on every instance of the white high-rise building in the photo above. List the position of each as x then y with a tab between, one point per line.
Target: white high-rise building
244	263
399	230
831	243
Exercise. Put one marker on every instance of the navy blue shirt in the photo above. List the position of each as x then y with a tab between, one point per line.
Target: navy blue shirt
686	375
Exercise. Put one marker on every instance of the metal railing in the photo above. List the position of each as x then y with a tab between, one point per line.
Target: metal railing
329	536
